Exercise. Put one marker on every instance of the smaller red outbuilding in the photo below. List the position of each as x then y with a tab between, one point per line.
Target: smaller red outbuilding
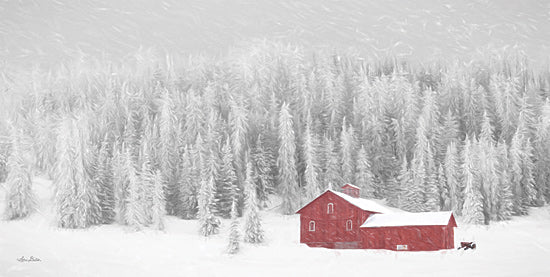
409	231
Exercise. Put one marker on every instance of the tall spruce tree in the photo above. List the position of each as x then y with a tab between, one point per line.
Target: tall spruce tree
226	182
234	234
253	226
263	169
363	175
311	176
76	199
20	198
472	211
505	204
453	178
286	161
347	149
209	223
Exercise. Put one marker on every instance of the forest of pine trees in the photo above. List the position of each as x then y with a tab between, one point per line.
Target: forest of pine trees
202	139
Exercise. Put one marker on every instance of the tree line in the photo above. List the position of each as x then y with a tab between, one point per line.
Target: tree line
204	139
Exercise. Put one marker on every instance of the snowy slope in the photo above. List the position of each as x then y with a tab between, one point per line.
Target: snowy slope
48	31
520	247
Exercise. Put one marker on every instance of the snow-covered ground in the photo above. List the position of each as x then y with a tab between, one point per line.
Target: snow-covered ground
520	247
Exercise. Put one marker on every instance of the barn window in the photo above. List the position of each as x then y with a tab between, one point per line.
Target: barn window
312	226
349	225
330	208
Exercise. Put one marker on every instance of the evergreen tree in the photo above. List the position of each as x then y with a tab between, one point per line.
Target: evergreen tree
104	180
444	198
331	177
137	214
488	174
263	170
209	223
253	225
312	185
288	178
76	199
158	210
226	182
521	169
405	181
20	198
234	234
452	176
472	210
187	190
505	204
415	192
347	148
431	189
363	175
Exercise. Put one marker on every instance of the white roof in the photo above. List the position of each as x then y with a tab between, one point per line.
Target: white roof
365	204
407	219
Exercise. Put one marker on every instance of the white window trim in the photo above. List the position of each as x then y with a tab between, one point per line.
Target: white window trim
312	225
330	208
350	225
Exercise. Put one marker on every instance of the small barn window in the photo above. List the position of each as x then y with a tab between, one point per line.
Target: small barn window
349	225
330	208
312	226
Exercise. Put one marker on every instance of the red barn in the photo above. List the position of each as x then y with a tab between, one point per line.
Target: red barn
343	220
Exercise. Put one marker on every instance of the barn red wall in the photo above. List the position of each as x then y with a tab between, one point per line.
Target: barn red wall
417	238
330	229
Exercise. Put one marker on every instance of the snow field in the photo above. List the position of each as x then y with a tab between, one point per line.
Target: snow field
520	247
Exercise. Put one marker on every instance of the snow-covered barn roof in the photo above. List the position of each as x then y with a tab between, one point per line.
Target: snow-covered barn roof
364	204
361	203
350	185
407	219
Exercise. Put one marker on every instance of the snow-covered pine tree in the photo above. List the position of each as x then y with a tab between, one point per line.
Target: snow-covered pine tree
20	198
120	180
444	198
168	154
521	169
76	199
311	176
506	92
263	168
541	144
331	176
286	161
238	122
415	192
226	182
404	180
158	209
472	211
187	191
209	223
136	215
452	176
253	226
347	149
104	180
505	204
488	175
234	233
363	175
431	189
449	133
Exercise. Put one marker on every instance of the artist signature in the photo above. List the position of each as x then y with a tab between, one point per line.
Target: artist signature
30	259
